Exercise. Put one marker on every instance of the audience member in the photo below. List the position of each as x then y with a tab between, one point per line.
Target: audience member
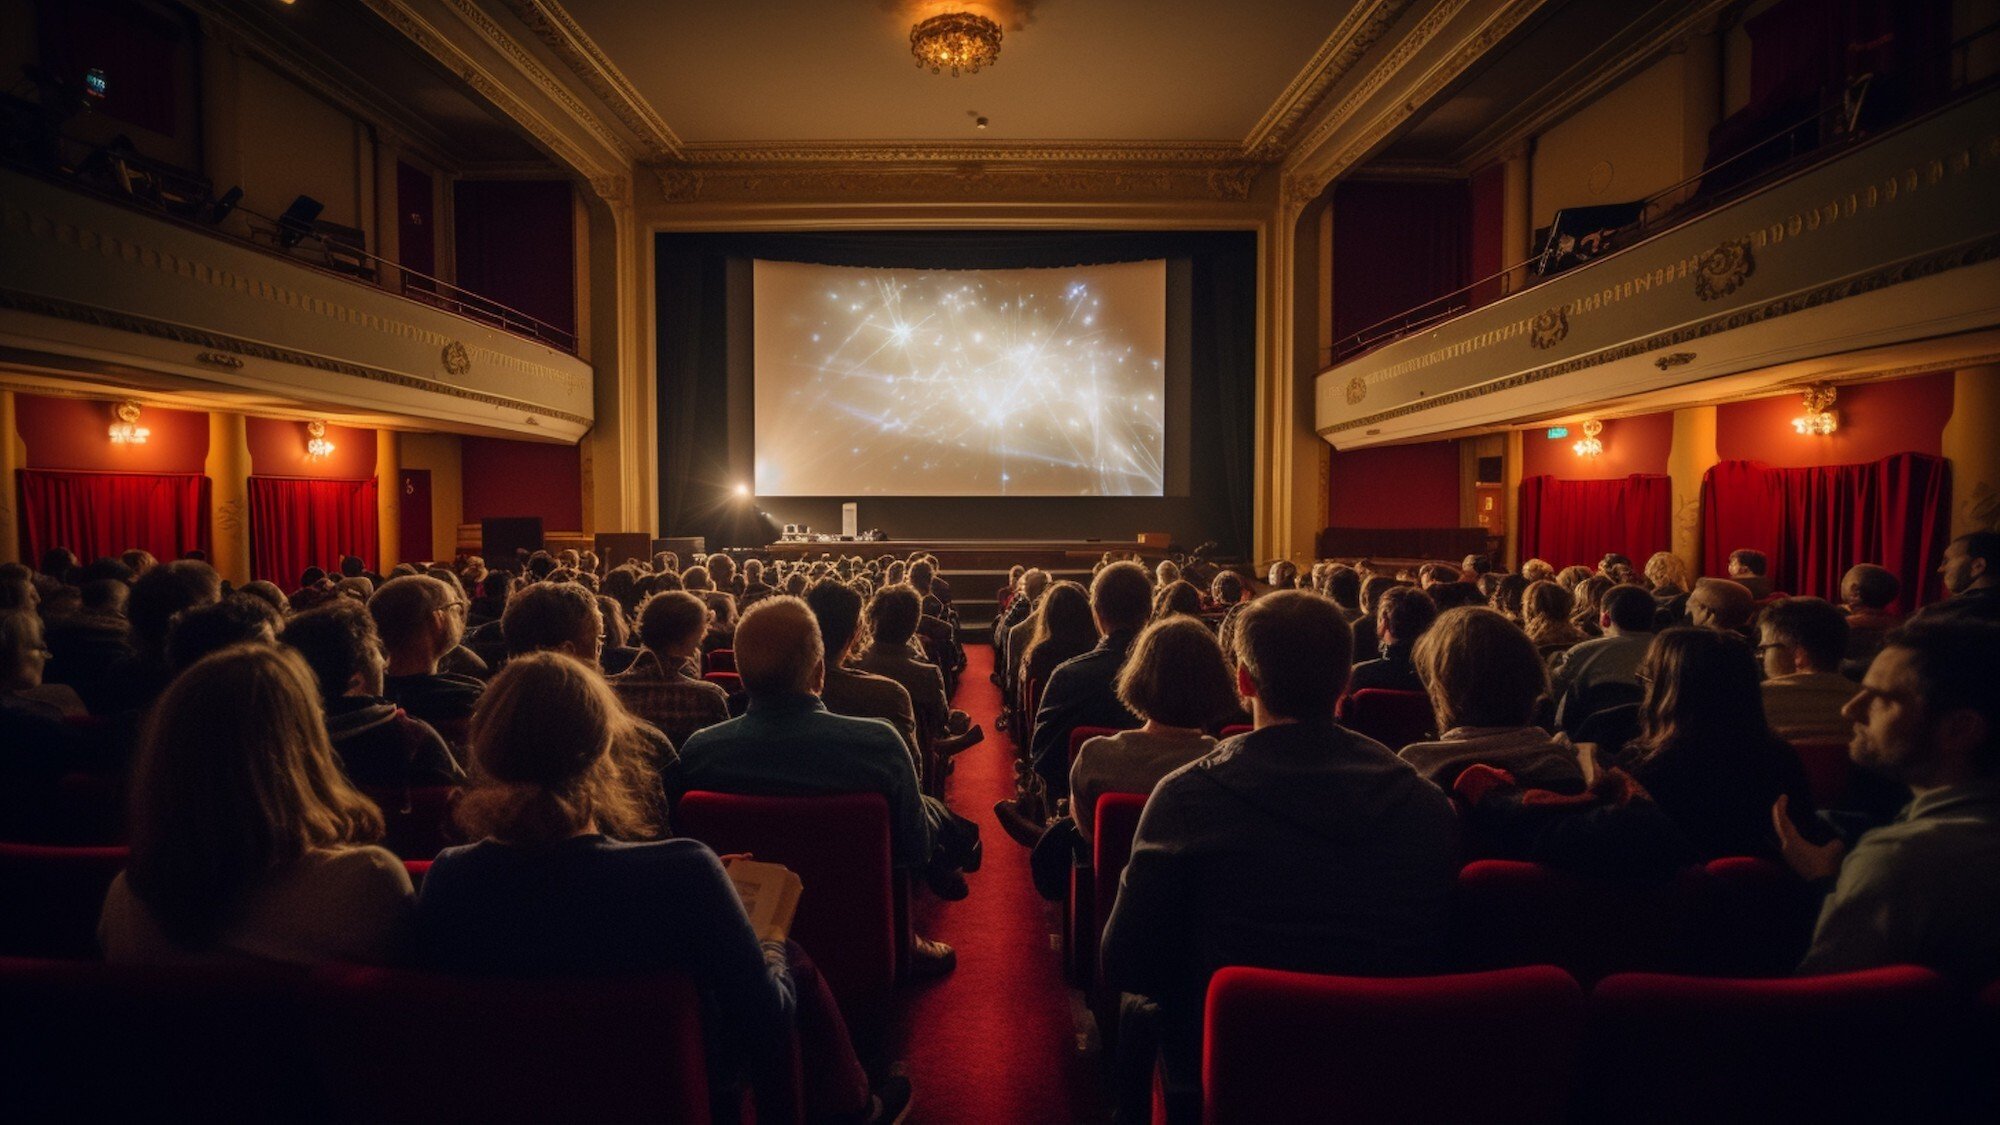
1177	597
1366	639
1486	682
160	594
893	614
1507	596
1301	845
236	619
849	691
1569	576
1538	570
1545	611
1602	672
617	651
1703	750
1868	592
377	743
1063	629
1747	568
419	621
1669	576
1803	642
1344	587
1722	605
247	842
1921	890
86	646
1403	615
1971	570
663	686
1083	691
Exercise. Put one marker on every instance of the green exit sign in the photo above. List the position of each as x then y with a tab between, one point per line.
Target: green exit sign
1557	433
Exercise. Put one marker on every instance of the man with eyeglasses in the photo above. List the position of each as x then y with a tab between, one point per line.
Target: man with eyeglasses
1921	890
1801	643
421	619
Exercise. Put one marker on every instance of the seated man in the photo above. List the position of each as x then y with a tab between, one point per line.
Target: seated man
846	691
789	743
380	746
1300	845
1919	891
1866	592
1971	570
1486	683
1804	692
1403	615
420	621
892	621
1723	605
663	686
1603	671
1083	691
1747	568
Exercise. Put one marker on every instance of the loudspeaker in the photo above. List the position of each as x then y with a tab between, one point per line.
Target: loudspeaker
1489	470
499	538
614	547
686	546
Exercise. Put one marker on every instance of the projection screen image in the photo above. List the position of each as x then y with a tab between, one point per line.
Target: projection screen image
907	382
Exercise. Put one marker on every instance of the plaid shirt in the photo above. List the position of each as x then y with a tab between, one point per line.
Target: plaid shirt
669	697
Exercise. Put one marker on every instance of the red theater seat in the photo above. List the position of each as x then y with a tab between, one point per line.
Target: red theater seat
1513	913
727	681
1828	770
1748	917
839	844
417	819
74	810
1234	729
53	897
1115	819
84	1041
395	1045
1393	718
1867	1046
721	660
1489	1047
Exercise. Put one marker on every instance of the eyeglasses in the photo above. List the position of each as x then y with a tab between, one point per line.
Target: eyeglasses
1762	649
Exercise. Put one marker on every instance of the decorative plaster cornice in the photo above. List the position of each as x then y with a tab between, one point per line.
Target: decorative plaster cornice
1364	25
563	35
532	69
1419	36
846	153
942	180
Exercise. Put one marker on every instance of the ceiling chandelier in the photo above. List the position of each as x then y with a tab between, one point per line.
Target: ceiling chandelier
1818	418
127	430
1590	446
955	41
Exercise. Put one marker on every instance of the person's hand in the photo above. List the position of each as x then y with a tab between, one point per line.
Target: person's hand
1812	862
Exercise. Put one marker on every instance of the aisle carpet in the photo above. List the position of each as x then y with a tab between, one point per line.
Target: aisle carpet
995	1041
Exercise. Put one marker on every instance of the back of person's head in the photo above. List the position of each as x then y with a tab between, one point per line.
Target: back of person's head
672	620
105	596
1569	576
1284	575
1178	596
406	609
1700	687
311	576
1372	589
1296	649
1122	597
1953	661
22	651
1813	624
837	608
1752	562
697	578
1033	581
235	620
1176	675
140	561
1870	586
1629	609
549	616
1167	573
234	778
1508	594
164	591
1404	614
57	562
617	634
1537	570
922	574
1729	604
401	569
778	647
1546	603
721	567
555	754
1665	568
351	566
893	614
1481	670
1227	587
339	643
1451	595
1611	561
1062	616
540	565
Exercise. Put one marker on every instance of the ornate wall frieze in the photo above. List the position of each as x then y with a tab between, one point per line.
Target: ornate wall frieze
1548	329
963	152
1673	359
1966	254
204	338
1363	26
681	183
1724	269
559	30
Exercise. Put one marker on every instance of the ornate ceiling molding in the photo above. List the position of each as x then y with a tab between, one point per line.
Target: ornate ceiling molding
1365	24
563	35
842	153
944	181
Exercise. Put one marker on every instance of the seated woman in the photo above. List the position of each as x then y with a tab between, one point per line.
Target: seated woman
247	840
1177	597
1486	681
565	879
1704	751
1547	608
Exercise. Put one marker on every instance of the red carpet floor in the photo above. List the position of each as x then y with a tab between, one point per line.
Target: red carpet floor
995	1041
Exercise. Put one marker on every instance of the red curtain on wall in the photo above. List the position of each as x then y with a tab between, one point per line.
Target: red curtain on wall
1577	522
296	523
100	514
1814	523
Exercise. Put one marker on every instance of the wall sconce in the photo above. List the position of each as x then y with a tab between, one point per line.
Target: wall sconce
1590	446
127	430
1819	419
317	447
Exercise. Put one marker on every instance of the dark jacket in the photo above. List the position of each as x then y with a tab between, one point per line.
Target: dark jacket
1080	693
84	648
1392	672
381	746
442	699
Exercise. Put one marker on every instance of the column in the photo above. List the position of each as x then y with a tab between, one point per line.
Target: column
1689	458
221	57
389	499
388	243
1974	455
1511	475
228	469
13	457
1517	228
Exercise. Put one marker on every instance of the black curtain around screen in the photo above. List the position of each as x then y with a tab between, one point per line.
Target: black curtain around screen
694	297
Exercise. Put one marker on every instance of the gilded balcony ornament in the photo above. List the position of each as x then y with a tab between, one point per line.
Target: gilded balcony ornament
1723	270
1357	389
457	361
1673	359
1549	328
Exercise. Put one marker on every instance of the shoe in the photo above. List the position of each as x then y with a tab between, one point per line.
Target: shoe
961	743
1024	829
957	723
890	1103
930	960
948	885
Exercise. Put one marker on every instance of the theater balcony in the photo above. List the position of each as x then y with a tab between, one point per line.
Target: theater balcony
100	295
1879	252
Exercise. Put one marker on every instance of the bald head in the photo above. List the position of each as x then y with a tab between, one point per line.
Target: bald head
1718	603
778	649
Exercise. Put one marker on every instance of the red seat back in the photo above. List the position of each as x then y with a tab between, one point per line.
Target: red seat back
395	1045
720	660
1115	823
53	897
839	845
1234	729
75	810
1867	1046
417	819
1511	913
86	1041
1393	718
727	681
1498	1046
1828	770
1749	917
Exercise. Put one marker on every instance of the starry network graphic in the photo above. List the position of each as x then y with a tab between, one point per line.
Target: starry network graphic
903	382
